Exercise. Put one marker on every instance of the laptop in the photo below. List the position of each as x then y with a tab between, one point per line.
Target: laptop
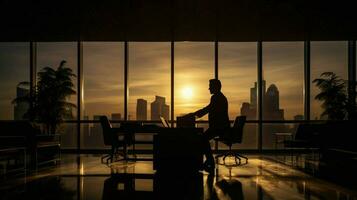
164	122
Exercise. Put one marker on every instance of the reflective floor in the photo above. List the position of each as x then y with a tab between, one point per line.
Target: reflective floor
85	177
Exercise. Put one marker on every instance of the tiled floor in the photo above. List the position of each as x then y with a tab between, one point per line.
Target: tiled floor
261	178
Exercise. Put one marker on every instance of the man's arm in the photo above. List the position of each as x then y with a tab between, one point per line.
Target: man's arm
207	109
203	111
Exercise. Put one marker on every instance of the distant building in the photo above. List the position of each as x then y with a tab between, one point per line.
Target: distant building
141	109
254	94
116	116
271	105
299	117
271	111
248	111
159	108
21	108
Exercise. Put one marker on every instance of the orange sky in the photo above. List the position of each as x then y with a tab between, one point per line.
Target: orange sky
149	72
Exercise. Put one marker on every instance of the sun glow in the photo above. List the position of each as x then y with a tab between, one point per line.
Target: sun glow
187	92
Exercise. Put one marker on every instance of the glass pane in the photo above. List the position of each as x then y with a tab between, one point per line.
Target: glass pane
149	80
238	74
92	136
103	74
326	57
275	134
194	67
283	68
68	135
14	68
51	54
249	139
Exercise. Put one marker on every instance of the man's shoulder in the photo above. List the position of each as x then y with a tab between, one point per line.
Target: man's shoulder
218	96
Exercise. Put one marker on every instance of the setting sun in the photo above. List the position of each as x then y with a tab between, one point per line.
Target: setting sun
187	92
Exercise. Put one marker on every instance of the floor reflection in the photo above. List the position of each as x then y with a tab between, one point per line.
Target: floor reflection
260	179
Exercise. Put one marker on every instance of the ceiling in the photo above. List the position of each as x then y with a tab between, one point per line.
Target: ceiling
178	20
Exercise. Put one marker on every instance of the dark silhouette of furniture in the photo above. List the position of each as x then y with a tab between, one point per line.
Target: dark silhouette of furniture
232	136
178	149
47	149
126	186
308	137
176	185
232	188
136	128
116	139
12	148
22	136
338	152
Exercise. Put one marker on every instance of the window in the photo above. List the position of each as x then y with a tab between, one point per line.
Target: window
194	67
238	74
149	80
14	68
103	75
283	67
326	57
50	54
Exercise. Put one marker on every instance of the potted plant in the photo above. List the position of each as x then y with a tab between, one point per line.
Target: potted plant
49	102
333	96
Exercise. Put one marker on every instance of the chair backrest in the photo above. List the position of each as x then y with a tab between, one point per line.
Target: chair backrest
106	128
307	131
236	133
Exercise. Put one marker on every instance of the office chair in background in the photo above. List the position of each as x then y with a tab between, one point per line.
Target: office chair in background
233	136
112	138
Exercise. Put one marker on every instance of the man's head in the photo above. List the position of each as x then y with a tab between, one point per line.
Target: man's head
214	86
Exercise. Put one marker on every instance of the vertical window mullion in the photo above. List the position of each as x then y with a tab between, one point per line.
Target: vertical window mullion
79	92
307	79
260	93
126	72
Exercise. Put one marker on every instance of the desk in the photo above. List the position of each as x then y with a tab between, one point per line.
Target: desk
178	148
134	129
172	147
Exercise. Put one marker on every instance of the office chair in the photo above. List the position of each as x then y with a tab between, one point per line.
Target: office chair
232	136
111	138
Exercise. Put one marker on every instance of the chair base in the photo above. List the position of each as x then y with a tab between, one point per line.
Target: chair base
237	158
109	158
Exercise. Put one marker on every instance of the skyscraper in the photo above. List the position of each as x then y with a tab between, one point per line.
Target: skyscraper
271	107
116	116
254	94
21	108
141	109
272	110
159	108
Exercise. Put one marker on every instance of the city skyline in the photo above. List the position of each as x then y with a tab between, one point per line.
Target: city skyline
149	72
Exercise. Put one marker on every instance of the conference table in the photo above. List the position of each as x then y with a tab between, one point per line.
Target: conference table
172	147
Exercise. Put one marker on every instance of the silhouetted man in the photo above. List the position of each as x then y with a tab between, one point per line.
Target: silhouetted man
218	120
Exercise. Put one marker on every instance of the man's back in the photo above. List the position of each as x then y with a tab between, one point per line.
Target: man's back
218	113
